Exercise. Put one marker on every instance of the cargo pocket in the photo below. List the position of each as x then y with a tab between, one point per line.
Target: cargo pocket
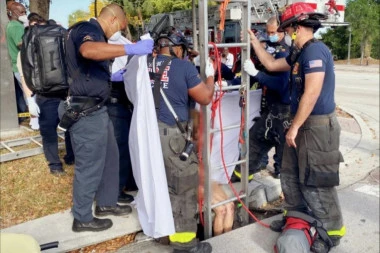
183	175
323	168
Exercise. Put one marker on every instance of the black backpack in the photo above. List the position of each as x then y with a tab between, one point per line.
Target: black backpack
43	60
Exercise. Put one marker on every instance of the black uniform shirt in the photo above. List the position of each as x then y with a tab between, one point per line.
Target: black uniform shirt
89	78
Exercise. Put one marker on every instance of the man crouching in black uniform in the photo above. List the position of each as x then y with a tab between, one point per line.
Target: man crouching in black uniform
96	152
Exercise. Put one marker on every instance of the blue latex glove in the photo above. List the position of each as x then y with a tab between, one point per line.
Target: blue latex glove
140	48
118	76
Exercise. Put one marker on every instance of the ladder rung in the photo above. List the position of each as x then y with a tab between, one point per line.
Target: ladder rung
230	164
61	135
21	154
18	142
224	128
7	147
228	201
220	45
35	141
229	88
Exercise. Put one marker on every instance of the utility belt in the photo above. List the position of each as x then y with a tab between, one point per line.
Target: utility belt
282	109
116	100
167	130
279	112
77	107
319	120
83	105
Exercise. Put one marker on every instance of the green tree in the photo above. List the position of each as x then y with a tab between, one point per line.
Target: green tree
137	11
78	15
336	39
41	7
364	18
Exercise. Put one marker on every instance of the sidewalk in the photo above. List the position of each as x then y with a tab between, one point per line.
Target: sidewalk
358	192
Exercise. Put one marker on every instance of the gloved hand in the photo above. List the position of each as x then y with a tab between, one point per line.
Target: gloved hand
118	76
209	70
33	107
250	68
140	48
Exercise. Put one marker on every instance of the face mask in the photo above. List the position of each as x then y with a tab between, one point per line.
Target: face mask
288	40
273	38
116	36
23	19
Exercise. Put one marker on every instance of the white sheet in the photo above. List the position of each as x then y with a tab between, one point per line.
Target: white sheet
231	113
152	200
121	61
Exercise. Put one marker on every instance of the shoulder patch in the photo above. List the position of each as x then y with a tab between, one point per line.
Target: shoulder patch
315	64
87	38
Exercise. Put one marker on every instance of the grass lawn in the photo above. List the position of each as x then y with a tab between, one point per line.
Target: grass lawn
28	191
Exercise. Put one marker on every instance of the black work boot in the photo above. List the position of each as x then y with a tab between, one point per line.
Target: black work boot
276	173
94	225
319	246
335	240
192	247
278	225
235	178
112	210
57	172
125	198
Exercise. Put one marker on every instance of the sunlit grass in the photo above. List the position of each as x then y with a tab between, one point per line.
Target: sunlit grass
28	191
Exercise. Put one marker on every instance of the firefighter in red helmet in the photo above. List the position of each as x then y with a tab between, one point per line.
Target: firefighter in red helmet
310	165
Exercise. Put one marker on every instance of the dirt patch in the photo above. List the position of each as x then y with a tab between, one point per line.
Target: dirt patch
108	246
28	191
340	113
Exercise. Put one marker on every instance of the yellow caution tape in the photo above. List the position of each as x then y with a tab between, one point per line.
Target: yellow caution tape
24	114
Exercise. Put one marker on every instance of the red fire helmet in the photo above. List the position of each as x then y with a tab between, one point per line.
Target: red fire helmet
302	14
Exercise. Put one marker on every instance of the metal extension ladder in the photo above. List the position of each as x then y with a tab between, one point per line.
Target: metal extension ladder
24	147
264	9
245	51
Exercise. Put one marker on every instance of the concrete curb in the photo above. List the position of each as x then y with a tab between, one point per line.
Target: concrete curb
363	126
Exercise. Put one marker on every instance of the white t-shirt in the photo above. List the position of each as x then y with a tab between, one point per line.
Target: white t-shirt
228	60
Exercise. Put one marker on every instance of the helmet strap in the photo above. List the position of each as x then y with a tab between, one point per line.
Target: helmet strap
172	52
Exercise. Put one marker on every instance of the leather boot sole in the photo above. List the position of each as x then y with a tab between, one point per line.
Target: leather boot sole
92	229
110	212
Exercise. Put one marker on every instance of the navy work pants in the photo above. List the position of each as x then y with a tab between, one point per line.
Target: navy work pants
121	116
48	120
96	164
259	145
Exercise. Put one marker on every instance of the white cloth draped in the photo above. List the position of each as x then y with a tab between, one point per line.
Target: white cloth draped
152	200
121	61
231	113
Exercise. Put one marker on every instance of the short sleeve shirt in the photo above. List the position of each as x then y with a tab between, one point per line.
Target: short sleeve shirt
276	82
14	33
89	78
314	58
178	77
229	60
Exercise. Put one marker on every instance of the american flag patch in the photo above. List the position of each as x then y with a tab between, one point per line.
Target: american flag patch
315	64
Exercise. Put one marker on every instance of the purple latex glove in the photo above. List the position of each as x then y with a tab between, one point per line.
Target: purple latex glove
118	76
140	48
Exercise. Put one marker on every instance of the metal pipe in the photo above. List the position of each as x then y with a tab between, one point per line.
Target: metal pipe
228	200
349	45
194	26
